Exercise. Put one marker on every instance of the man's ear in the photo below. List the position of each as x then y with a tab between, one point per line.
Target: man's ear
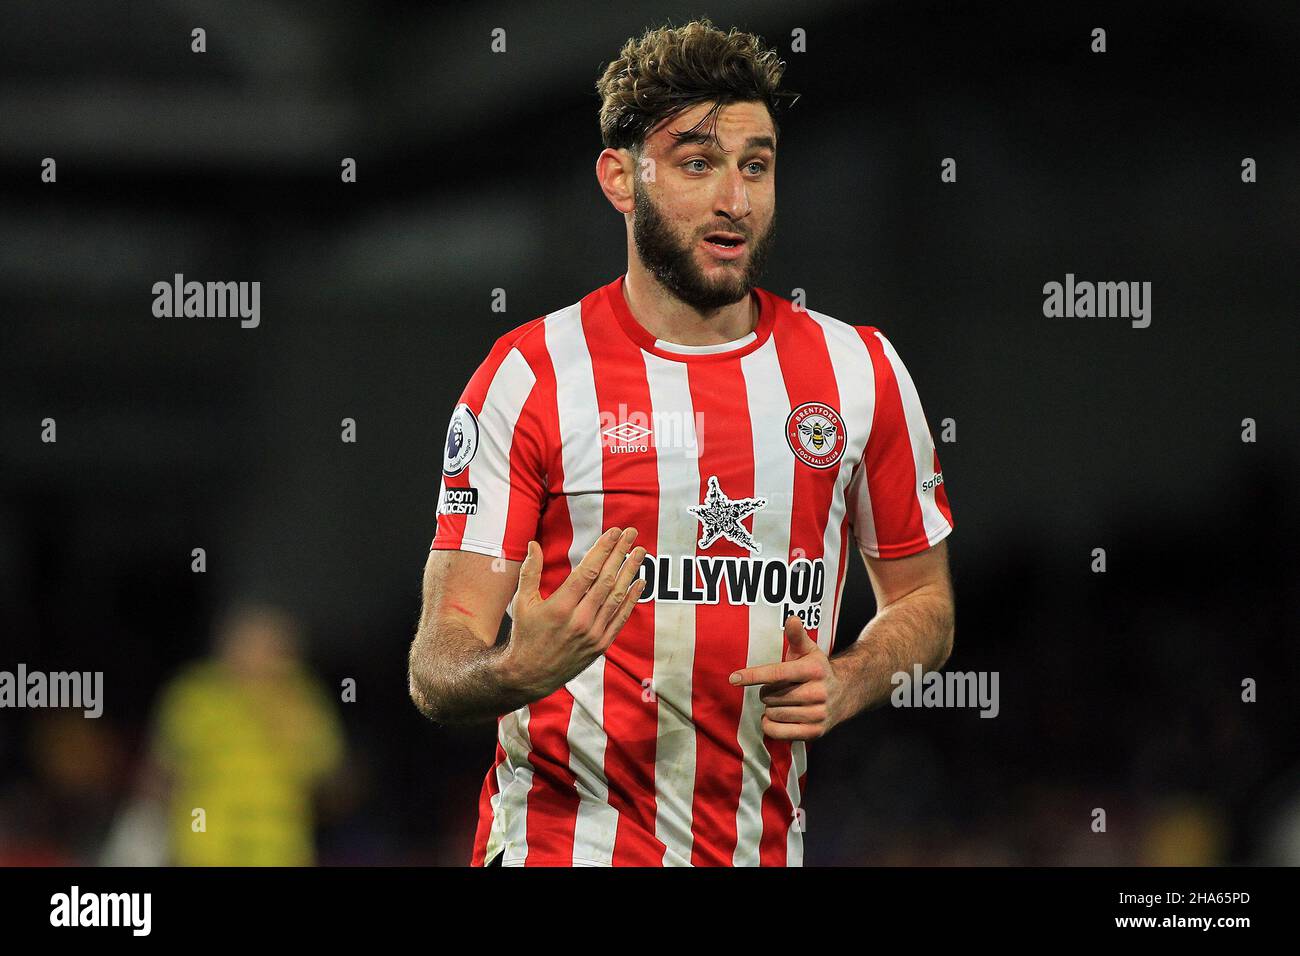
614	171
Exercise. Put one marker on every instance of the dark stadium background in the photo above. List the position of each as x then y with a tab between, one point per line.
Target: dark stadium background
475	172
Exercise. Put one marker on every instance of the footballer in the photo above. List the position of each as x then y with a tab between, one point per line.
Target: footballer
660	483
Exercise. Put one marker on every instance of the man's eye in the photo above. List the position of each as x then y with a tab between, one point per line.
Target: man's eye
702	167
761	166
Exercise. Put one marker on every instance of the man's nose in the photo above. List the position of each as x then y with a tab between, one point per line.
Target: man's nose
733	200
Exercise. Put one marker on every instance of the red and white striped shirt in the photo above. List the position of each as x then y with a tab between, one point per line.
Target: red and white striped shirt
743	466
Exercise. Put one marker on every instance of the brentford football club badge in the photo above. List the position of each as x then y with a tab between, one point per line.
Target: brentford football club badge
816	434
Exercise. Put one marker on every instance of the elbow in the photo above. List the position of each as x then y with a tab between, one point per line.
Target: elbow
452	678
431	705
947	633
433	700
423	692
945	649
423	700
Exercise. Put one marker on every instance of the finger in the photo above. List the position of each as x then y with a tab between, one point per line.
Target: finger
763	674
769	691
624	611
796	715
782	731
787	694
796	636
530	572
604	585
631	567
780	675
584	575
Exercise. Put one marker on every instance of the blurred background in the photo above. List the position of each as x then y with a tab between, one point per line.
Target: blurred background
475	171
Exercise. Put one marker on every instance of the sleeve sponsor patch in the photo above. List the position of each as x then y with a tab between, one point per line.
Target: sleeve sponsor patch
462	441
458	501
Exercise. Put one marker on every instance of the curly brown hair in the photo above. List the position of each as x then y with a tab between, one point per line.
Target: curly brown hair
672	69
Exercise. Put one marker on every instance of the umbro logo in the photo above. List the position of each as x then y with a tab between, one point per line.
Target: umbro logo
626	437
626	430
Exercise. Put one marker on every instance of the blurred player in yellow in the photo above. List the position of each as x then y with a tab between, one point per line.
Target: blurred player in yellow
245	736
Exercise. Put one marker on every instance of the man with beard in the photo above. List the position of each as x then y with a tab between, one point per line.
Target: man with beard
661	481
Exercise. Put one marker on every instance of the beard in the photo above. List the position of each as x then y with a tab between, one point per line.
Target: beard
672	261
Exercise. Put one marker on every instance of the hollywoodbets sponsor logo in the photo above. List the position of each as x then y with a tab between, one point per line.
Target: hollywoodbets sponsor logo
797	586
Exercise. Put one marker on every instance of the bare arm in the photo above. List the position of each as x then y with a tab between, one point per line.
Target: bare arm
458	673
914	623
455	662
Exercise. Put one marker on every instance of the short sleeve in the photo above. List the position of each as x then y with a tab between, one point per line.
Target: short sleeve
898	503
493	475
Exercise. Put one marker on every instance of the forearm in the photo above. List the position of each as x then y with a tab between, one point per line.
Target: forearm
916	629
460	679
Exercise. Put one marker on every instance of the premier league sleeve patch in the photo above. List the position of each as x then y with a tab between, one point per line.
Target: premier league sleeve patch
462	441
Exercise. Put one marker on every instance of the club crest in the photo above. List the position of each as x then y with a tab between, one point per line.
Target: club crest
816	434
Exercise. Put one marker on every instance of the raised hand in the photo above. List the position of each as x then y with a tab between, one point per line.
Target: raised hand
554	640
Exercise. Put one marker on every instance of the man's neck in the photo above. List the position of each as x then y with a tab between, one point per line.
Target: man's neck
668	318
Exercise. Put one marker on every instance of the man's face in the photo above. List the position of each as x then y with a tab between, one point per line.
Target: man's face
702	189
260	645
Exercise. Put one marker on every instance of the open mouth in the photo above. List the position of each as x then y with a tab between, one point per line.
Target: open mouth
728	240
725	245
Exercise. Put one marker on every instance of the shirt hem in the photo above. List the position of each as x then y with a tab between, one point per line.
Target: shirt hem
565	861
476	546
908	548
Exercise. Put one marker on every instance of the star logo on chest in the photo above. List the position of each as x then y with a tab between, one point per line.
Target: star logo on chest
720	517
